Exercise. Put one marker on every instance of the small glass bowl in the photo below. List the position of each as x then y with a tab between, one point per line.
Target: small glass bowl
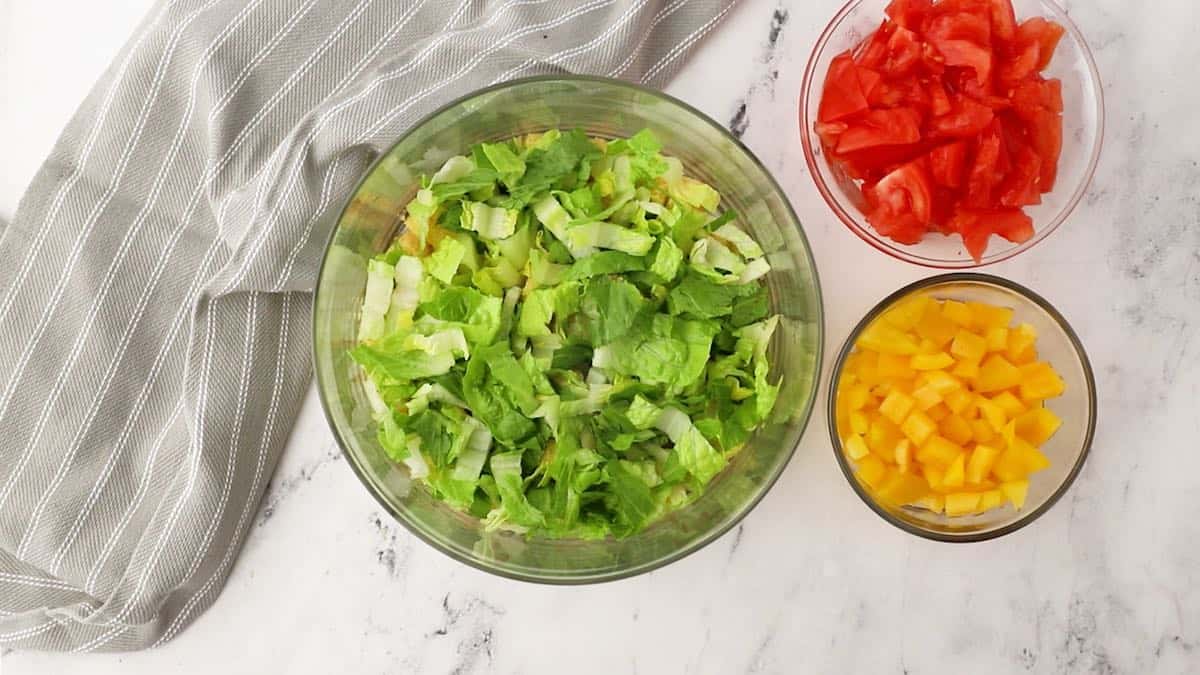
1083	131
609	109
1067	449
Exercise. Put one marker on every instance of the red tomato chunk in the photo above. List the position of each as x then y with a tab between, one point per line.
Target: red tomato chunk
944	116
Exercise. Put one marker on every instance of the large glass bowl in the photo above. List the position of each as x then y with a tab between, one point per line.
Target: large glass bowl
605	108
1067	449
1083	131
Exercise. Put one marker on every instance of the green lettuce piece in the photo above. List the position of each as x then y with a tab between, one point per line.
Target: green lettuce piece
629	498
514	509
604	262
710	257
455	169
420	214
542	271
507	164
688	190
443	263
476	314
490	222
755	270
611	306
606	235
536	313
491	400
504	368
699	296
666	260
401	365
741	242
694	452
643	414
548	165
750	308
376	299
478	179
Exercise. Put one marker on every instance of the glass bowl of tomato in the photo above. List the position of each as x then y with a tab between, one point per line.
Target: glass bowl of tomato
924	157
1027	420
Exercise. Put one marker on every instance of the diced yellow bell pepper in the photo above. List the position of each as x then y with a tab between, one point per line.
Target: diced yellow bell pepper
996	374
857	396
966	369
939	450
1038	425
885	338
956	429
991	412
867	367
856	447
896	406
871	470
906	312
982	431
997	339
1009	432
957	312
943	382
903	454
901	488
980	464
882	437
968	346
936	361
959	400
962	503
935	503
956	473
895	365
985	316
935	327
926	397
1011	405
859	422
991	499
1032	458
933	476
938	412
1016	491
918	427
1020	343
1040	381
928	347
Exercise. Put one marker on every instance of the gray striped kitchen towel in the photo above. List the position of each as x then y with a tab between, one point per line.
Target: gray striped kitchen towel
154	287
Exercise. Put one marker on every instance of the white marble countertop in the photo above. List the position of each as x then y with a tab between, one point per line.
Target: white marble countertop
1108	581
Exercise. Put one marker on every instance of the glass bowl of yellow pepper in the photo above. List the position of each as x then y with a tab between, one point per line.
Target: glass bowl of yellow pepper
962	407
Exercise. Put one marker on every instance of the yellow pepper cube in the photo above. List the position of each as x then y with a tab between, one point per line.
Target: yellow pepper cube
882	437
859	422
962	503
996	374
1038	425
957	312
991	499
866	367
991	412
933	477
1010	466
895	365
1011	405
956	473
938	412
967	370
857	396
935	327
885	338
938	450
901	488
906	312
980	464
918	427
1016	491
1020	343
1032	458
982	431
896	406
968	346
997	339
944	383
1040	381
934	503
985	316
926	397
956	429
871	470
936	361
856	447
958	400
903	454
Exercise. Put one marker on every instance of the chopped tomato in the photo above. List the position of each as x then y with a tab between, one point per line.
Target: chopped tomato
944	118
909	13
1004	20
947	163
1045	33
967	119
842	95
896	126
983	169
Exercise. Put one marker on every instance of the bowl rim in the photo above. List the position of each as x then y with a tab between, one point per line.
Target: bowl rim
928	283
898	251
804	418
